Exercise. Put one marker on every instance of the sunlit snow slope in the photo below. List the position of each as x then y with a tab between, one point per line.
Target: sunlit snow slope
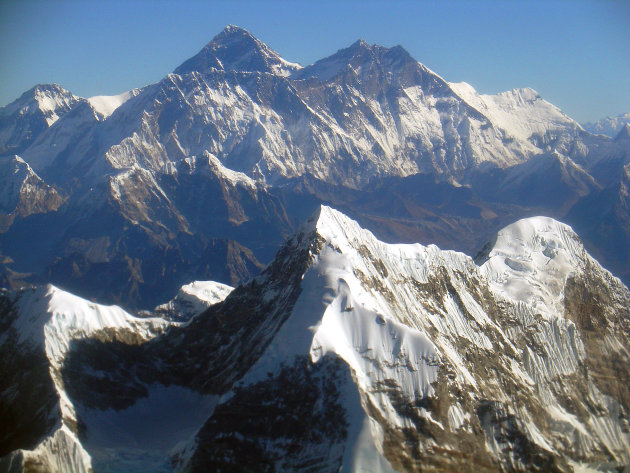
457	367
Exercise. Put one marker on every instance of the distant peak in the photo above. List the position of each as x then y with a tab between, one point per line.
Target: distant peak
236	49
321	217
233	28
360	44
524	93
624	133
356	56
48	89
358	48
232	32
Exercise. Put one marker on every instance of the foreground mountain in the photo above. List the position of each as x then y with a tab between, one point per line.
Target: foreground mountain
221	160
344	354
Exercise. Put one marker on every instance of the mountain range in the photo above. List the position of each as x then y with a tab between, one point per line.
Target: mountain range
609	126
355	265
224	158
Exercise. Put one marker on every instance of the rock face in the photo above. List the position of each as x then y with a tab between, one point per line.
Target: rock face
23	193
344	353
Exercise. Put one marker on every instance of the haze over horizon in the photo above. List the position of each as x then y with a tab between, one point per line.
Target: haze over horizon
573	53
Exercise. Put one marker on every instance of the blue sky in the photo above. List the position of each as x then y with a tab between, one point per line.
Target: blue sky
575	53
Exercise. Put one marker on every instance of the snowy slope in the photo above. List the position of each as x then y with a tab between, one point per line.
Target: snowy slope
48	319
107	104
520	112
348	354
192	299
531	260
439	352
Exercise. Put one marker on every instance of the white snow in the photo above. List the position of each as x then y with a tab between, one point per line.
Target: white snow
107	104
376	349
520	112
531	260
60	452
50	101
192	299
54	317
456	417
234	177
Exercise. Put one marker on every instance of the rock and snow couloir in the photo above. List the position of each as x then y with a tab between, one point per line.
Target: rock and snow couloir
347	352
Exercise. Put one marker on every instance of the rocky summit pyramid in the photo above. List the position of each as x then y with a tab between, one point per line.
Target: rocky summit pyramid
346	353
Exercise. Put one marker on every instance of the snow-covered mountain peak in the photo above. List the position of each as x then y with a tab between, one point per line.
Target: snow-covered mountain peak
360	46
54	317
522	113
609	126
332	224
52	100
107	104
407	319
522	94
334	227
358	56
531	260
624	133
24	119
192	299
237	49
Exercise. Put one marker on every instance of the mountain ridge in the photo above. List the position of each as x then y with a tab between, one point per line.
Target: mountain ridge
383	118
369	341
237	49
